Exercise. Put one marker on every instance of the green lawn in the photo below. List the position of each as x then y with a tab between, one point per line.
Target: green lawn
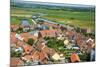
17	20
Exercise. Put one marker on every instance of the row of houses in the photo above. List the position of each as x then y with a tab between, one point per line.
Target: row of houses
40	53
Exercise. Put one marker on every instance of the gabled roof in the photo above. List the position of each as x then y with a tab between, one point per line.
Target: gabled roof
44	48
35	55
48	31
42	56
27	48
26	36
41	46
27	58
13	39
75	57
70	33
16	62
51	33
20	43
14	27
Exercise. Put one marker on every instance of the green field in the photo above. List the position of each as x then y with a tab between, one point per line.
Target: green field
81	19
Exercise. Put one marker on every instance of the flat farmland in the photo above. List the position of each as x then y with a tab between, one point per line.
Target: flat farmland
77	18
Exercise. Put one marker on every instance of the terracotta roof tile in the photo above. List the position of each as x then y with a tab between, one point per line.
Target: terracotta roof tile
27	48
26	36
13	39
70	33
35	55
42	56
16	62
14	27
50	33
75	57
46	50
20	43
40	46
27	57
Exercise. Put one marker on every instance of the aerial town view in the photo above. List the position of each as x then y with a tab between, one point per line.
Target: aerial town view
44	33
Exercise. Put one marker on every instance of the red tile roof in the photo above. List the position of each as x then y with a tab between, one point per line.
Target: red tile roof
42	56
35	55
40	46
13	39
14	27
70	33
26	36
50	33
44	48
20	43
16	62
27	48
27	57
75	58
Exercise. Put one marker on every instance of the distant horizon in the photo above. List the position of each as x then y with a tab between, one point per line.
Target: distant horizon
52	2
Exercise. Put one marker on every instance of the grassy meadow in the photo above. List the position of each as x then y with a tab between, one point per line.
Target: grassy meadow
77	18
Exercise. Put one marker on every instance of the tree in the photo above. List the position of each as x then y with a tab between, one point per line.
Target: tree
85	57
72	18
20	30
30	41
55	44
16	54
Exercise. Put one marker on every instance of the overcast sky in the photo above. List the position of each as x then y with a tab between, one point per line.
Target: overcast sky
86	2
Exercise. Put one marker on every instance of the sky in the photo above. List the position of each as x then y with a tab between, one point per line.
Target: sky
85	2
